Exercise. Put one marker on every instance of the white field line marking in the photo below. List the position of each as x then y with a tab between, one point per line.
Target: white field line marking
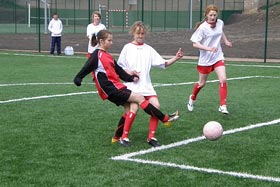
154	84
81	93
39	84
41	55
208	170
238	65
212	81
128	156
45	97
181	62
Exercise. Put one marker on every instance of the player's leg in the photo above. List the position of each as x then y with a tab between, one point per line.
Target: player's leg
130	116
58	46
119	129
151	110
52	45
221	73
196	89
153	123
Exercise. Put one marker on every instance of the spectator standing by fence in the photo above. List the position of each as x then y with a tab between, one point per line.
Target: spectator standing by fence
55	27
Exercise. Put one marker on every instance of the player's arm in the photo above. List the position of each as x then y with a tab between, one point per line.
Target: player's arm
124	75
178	56
50	26
206	48
227	43
88	67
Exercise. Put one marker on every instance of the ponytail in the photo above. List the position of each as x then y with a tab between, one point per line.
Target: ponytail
198	24
94	40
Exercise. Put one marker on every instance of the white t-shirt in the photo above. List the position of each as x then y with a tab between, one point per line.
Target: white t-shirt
210	37
93	29
55	27
140	58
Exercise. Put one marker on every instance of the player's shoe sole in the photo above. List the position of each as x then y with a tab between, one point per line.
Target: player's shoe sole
172	118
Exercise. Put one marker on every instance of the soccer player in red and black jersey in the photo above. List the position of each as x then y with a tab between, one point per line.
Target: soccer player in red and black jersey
107	74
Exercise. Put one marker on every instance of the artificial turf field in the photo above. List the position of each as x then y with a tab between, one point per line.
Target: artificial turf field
53	133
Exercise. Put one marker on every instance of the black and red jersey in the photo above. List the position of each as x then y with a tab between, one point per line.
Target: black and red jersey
106	73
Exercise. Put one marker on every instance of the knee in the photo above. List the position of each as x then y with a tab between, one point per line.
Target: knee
157	105
201	84
223	80
134	107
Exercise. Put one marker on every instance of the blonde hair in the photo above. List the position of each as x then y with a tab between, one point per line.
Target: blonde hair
208	9
137	27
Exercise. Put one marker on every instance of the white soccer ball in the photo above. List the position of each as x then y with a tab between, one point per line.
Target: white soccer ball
213	130
69	51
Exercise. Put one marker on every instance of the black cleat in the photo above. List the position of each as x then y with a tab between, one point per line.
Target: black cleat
124	142
153	142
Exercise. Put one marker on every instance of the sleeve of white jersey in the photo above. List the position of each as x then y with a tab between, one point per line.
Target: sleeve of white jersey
197	35
122	59
157	60
50	26
88	31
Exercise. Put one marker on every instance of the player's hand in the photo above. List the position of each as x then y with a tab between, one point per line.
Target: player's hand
135	79
78	81
228	43
214	49
136	76
135	73
179	54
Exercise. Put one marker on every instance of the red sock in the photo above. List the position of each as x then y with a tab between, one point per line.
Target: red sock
153	127
128	123
223	93
196	90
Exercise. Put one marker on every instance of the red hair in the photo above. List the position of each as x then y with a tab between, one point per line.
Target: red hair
208	9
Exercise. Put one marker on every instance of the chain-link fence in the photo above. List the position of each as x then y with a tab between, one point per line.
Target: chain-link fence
255	33
25	16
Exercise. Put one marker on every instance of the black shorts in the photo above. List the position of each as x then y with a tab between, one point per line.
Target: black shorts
120	97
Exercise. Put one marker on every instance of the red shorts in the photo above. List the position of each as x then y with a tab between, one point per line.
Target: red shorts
88	55
209	69
150	96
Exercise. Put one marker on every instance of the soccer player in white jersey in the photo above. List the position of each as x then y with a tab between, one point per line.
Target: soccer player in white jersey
139	57
207	38
92	29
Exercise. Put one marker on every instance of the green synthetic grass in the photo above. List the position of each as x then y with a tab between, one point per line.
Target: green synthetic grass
66	141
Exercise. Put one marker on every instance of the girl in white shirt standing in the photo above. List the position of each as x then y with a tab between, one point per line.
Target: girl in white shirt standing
139	57
207	38
92	29
55	27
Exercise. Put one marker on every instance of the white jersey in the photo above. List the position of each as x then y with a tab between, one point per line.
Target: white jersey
210	37
93	29
140	58
55	27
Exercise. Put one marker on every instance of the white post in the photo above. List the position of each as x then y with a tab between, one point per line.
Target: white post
49	8
45	16
191	8
29	14
99	8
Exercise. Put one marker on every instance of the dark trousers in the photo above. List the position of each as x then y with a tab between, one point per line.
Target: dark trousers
56	41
